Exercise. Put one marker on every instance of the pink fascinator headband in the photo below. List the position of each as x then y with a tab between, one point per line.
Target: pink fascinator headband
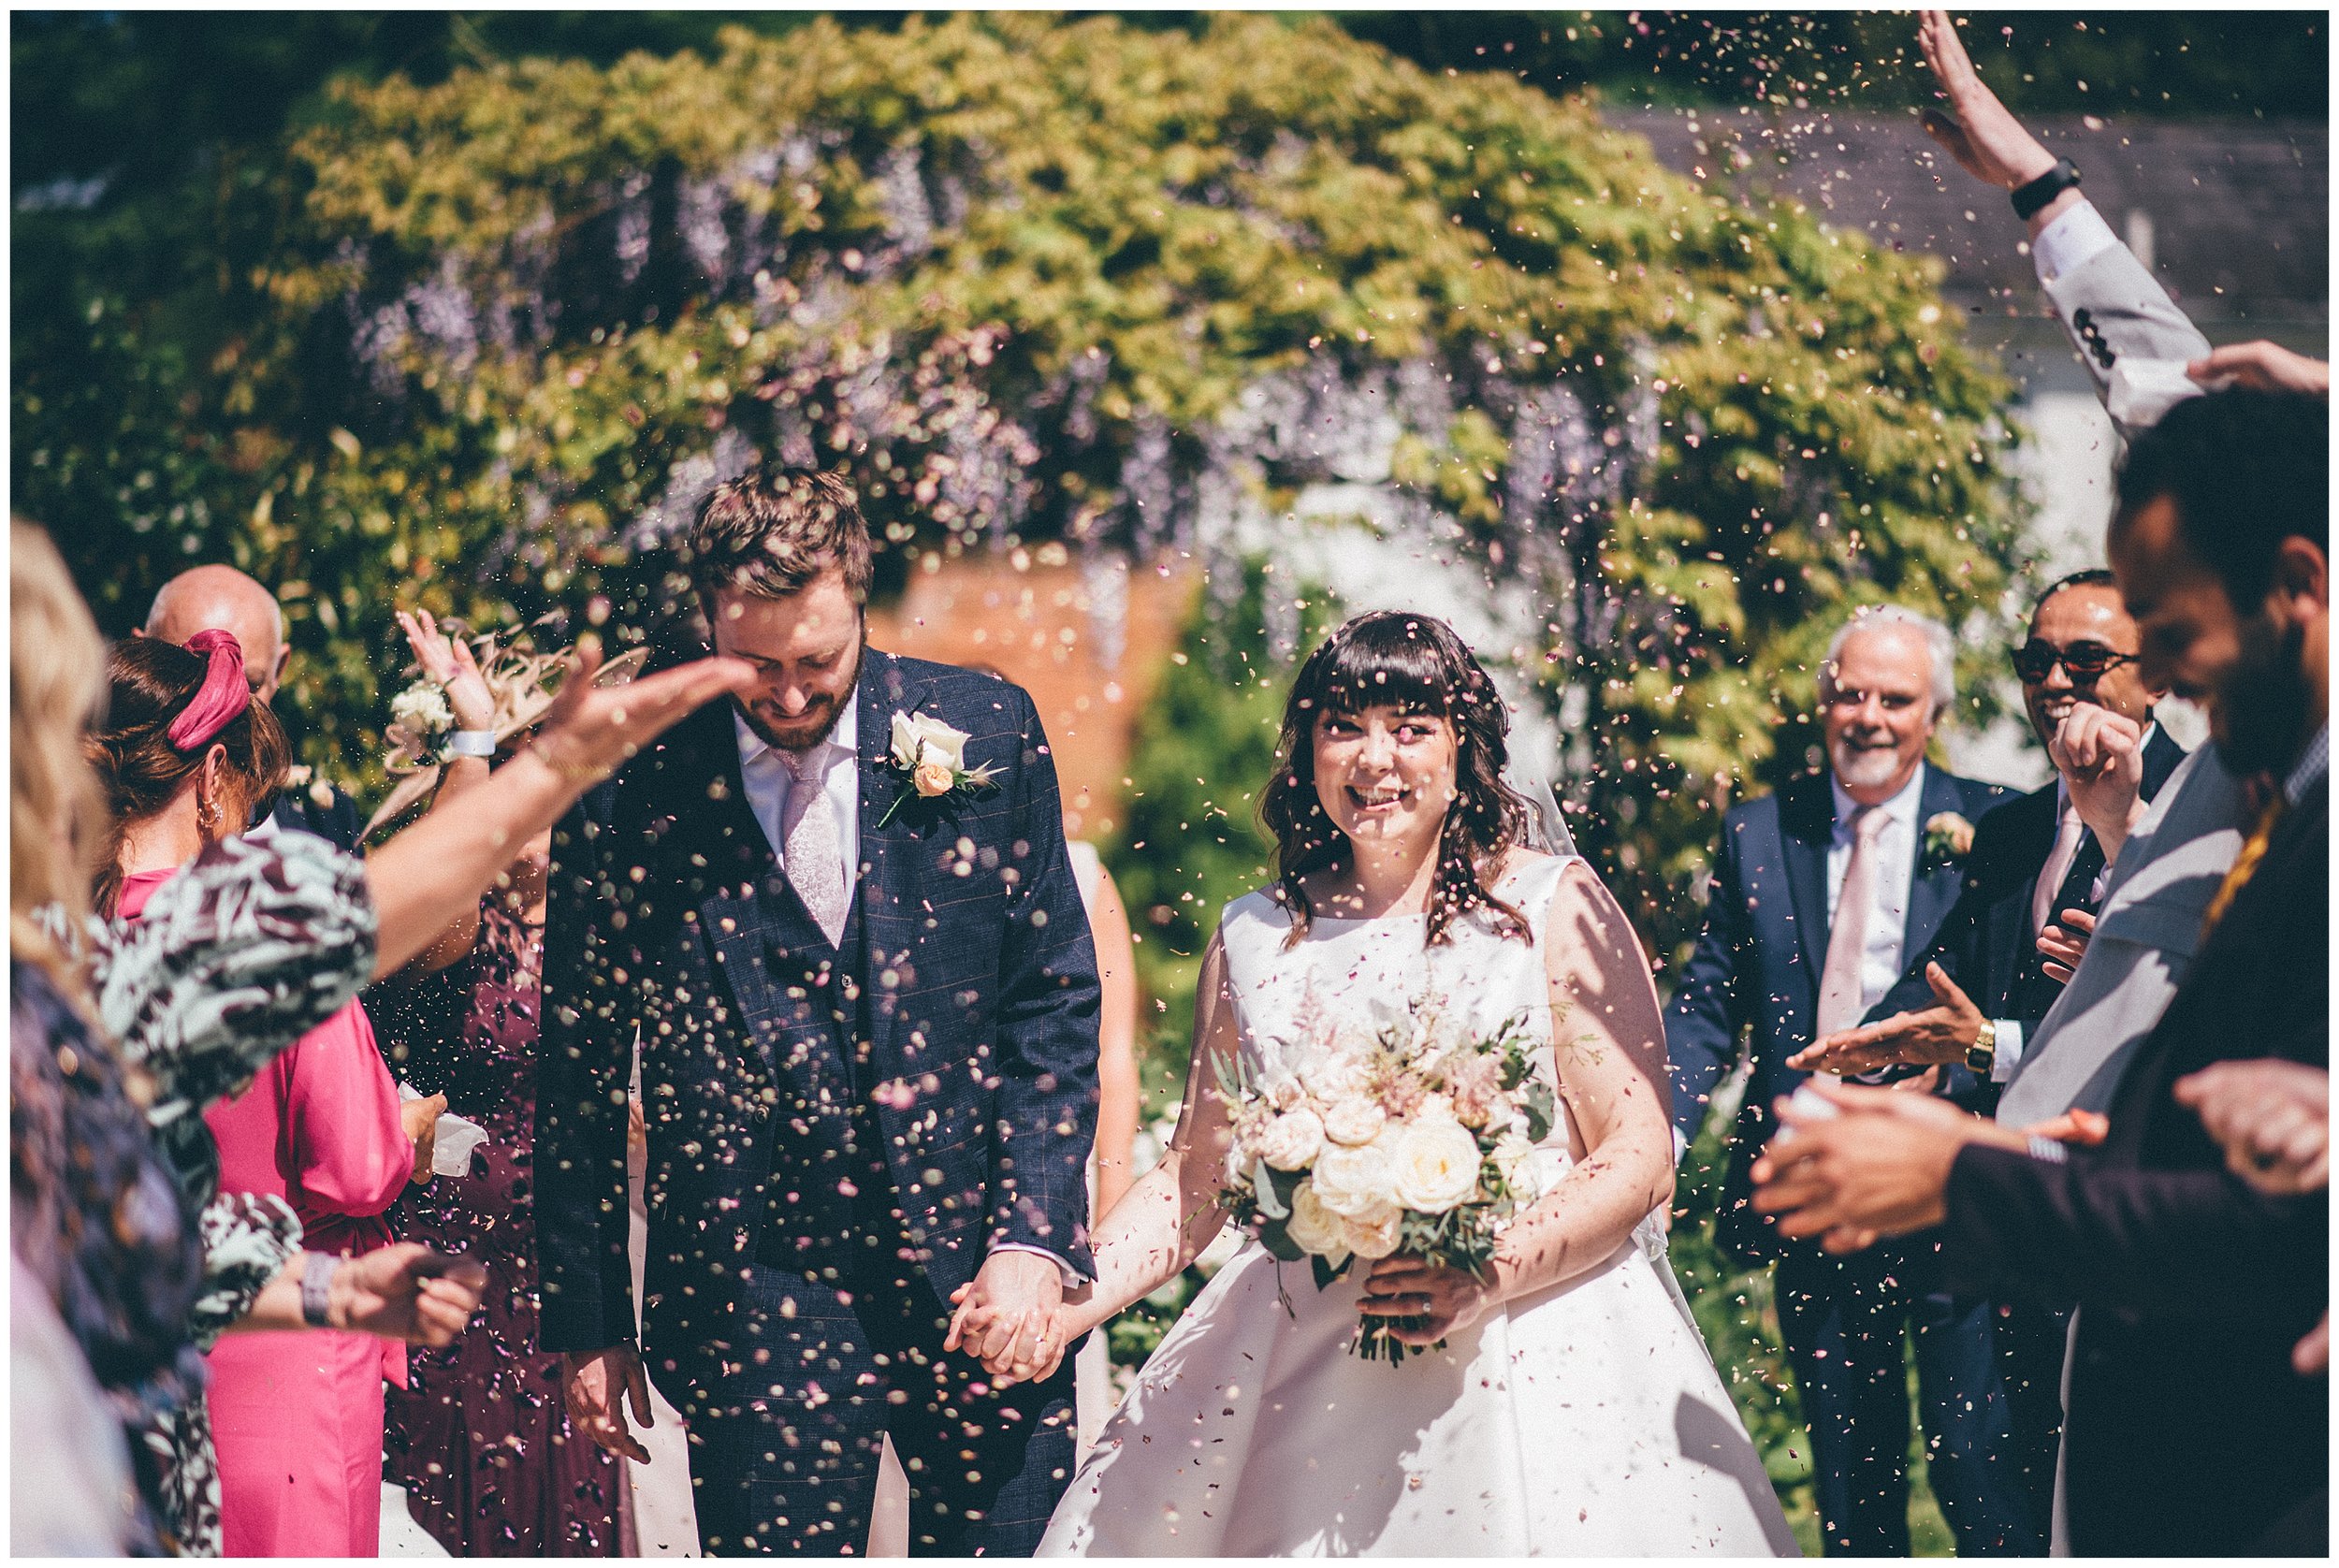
223	697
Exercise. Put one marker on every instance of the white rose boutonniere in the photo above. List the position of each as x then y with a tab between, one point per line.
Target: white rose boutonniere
931	757
1948	839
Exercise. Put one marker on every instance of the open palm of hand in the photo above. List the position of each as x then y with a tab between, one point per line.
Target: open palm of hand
448	660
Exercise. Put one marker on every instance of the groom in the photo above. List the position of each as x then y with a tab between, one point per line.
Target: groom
866	1005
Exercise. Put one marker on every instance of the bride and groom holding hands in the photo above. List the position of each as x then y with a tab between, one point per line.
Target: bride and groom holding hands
835	918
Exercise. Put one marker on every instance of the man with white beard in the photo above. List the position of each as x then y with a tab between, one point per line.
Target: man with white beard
1820	894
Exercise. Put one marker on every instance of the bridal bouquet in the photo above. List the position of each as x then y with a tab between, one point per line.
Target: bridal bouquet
1406	1135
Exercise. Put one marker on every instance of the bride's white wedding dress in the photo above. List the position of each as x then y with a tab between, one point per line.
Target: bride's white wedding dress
1584	1419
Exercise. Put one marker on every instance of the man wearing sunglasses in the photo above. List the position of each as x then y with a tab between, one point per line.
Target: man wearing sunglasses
1981	988
1970	1003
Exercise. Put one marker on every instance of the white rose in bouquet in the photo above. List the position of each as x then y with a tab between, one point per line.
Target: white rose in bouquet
1332	1075
1375	1239
1354	1121
1290	1141
1356	1183
1280	1089
1437	1165
1514	1156
1315	1228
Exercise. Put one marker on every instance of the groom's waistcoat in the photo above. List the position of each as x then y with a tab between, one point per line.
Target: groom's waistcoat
946	1048
816	1158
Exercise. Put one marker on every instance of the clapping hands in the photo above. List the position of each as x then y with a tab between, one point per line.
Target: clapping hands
2271	1117
407	1292
1935	1035
1869	1162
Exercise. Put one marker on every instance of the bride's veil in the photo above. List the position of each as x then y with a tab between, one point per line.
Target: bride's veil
1546	829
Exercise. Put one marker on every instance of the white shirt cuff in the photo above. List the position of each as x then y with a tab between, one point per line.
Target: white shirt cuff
1073	1278
2071	242
2009	1055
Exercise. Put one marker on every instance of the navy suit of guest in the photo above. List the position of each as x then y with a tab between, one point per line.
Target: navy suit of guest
333	818
1756	971
1756	965
839	1134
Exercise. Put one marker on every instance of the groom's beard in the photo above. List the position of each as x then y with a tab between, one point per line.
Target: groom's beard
2262	702
803	730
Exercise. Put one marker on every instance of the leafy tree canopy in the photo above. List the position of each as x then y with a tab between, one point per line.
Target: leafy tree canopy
1025	279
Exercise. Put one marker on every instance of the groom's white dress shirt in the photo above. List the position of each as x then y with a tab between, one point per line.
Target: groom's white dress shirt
768	779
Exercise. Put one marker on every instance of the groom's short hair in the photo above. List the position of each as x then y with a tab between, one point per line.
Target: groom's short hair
773	529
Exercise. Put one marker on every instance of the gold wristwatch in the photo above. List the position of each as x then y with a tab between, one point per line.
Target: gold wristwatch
1983	1053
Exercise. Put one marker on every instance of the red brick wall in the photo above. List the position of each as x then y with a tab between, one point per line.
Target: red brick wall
1031	616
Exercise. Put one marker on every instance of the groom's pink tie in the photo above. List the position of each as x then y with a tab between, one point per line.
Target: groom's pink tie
1840	1002
813	847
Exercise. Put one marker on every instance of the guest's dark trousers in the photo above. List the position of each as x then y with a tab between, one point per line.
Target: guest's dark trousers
825	1369
2030	1345
1843	1319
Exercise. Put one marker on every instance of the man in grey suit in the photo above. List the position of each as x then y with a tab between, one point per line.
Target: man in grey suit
2109	302
2164	858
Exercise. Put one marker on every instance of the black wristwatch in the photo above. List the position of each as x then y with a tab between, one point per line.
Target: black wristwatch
2028	198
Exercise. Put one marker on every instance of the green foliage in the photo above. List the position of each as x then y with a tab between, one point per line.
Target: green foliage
1191	839
1015	273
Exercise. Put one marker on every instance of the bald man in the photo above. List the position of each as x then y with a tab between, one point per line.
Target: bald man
206	598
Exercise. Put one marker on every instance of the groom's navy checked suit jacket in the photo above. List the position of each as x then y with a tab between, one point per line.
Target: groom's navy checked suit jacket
958	1031
1758	960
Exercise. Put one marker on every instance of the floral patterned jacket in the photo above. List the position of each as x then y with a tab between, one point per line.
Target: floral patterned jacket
233	960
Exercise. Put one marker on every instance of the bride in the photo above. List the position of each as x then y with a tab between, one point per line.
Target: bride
1564	1403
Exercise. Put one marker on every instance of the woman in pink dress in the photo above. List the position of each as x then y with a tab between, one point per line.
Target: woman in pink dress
297	1415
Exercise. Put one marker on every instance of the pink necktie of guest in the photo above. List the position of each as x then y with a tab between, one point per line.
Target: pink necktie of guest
813	847
2058	865
1840	997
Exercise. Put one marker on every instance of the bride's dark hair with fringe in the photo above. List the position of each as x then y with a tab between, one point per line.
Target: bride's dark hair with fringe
1416	664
